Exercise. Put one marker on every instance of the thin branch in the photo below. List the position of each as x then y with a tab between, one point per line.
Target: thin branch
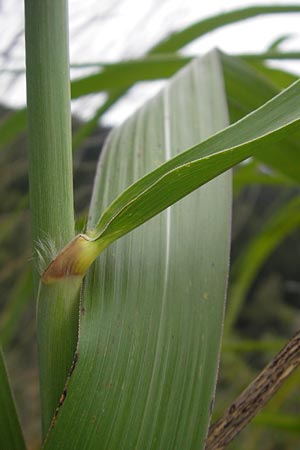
253	399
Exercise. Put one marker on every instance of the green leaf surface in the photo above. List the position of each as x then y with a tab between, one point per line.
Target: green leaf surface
11	436
257	134
117	313
149	302
196	166
279	77
245	269
248	88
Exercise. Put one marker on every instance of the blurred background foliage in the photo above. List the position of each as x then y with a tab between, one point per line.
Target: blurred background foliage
264	289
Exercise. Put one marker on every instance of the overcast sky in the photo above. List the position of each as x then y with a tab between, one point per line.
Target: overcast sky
109	30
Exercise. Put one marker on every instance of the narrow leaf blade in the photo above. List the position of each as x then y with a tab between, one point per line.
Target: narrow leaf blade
196	166
183	37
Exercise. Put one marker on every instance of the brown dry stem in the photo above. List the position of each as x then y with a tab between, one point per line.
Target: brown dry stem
255	396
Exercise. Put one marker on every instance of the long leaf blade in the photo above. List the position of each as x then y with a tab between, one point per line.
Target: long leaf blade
149	303
192	168
183	37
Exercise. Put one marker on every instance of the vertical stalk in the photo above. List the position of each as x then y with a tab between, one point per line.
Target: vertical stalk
51	189
49	120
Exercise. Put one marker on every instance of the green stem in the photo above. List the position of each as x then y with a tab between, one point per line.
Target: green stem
49	120
51	185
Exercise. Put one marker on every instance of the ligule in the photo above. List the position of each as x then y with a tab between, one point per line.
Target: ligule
73	260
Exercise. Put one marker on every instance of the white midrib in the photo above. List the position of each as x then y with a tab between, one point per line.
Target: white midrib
160	335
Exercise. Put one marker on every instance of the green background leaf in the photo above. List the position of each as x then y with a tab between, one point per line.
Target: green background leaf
247	266
10	431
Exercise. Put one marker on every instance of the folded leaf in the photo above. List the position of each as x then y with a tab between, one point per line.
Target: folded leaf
192	168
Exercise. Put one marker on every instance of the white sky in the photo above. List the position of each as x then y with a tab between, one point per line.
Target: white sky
121	29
